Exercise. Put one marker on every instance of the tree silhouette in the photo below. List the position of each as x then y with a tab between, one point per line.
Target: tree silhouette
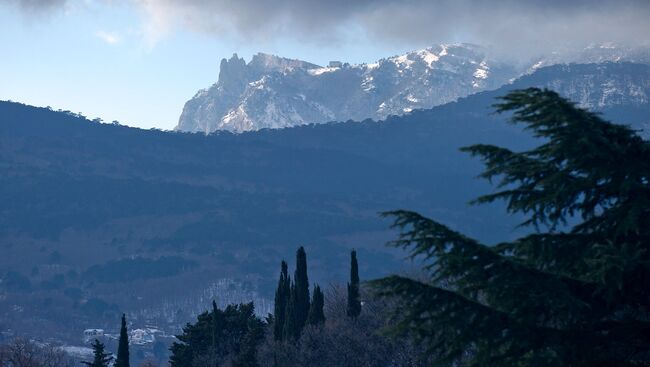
122	359
573	293
354	298
100	357
316	312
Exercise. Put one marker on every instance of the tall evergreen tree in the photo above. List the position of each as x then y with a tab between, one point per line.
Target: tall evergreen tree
354	298
100	357
301	297
573	293
122	359
281	300
316	313
291	329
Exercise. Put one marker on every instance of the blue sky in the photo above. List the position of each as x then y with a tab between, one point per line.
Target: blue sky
138	61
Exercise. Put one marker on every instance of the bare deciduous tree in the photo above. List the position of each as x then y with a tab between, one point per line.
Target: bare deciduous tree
25	353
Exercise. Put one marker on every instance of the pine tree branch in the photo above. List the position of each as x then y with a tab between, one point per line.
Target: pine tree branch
482	273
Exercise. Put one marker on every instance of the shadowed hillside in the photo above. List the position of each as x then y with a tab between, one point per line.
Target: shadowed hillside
84	203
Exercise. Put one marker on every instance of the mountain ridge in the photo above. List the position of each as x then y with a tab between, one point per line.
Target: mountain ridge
254	97
275	92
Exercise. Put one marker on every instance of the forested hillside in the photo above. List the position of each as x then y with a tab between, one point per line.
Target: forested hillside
178	212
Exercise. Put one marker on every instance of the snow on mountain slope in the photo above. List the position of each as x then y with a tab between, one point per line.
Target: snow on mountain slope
595	86
275	92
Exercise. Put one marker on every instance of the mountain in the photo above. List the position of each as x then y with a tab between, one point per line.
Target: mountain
273	92
595	54
254	96
595	86
184	218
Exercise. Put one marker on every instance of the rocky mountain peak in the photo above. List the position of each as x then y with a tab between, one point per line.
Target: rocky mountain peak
232	72
276	92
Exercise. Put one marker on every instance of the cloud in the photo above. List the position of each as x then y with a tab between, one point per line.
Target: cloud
107	37
518	28
514	28
257	21
36	6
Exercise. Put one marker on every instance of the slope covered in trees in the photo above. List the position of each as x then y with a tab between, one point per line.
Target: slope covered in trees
570	292
86	203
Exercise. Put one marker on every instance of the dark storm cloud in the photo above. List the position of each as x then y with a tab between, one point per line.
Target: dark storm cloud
524	26
36	6
517	28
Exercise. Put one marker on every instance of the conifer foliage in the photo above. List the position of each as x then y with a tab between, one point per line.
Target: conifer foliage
122	359
573	293
281	300
293	308
100	357
290	329
316	312
301	280
354	298
220	337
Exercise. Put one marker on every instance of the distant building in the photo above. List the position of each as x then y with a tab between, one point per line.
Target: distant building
335	64
141	336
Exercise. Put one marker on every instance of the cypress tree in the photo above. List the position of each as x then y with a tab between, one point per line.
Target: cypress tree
572	293
100	357
122	359
316	314
291	331
281	300
301	297
354	298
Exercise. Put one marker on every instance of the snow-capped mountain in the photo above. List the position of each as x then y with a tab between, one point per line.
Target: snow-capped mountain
595	86
595	54
274	92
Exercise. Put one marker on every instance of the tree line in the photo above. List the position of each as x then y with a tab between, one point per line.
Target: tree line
233	336
222	337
